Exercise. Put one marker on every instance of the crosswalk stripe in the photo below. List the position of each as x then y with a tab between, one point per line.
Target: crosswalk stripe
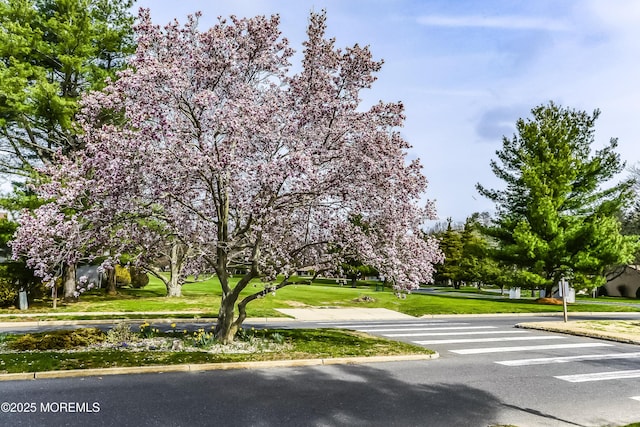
600	376
566	359
446	328
527	348
636	398
494	339
435	334
387	323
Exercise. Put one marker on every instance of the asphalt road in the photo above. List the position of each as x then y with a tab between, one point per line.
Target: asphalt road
484	377
530	378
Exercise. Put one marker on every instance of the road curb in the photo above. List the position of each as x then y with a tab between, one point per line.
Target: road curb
73	373
545	314
17	376
579	333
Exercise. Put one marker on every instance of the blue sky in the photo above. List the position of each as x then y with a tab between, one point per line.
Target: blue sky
467	70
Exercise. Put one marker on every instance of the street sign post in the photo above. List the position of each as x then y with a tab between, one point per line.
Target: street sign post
563	292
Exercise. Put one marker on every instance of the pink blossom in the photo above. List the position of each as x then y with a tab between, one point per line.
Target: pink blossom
209	142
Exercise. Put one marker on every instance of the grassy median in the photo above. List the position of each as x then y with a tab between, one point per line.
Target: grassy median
190	347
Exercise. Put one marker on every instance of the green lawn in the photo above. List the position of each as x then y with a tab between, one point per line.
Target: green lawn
203	300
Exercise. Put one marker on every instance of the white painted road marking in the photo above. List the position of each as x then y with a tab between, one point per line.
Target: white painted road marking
446	328
376	324
498	339
566	359
434	334
636	398
600	376
527	348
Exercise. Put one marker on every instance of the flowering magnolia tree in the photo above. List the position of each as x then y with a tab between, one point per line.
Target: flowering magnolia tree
210	143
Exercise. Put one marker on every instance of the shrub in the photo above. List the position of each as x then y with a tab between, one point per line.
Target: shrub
121	333
8	293
139	279
123	277
58	340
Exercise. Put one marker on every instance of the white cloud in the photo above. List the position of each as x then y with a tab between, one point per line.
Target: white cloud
494	22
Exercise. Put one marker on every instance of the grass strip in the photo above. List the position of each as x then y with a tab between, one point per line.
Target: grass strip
614	330
305	344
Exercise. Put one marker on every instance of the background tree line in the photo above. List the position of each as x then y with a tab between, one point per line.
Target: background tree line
51	53
558	214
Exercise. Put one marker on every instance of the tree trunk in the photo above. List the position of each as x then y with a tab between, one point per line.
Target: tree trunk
174	287
226	327
54	295
69	283
111	281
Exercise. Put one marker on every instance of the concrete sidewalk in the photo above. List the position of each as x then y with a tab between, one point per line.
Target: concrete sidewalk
321	314
316	314
301	314
309	314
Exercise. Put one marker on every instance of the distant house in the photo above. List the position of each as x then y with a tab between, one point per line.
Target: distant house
306	271
623	282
